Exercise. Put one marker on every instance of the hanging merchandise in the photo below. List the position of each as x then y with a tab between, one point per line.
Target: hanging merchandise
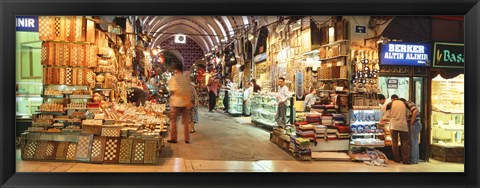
299	82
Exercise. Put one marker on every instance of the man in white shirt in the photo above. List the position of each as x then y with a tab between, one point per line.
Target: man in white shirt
399	129
283	97
180	102
310	100
246	98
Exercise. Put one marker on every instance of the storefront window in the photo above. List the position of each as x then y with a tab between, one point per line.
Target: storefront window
448	111
394	85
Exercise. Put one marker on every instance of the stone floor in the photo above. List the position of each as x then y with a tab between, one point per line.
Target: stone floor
230	144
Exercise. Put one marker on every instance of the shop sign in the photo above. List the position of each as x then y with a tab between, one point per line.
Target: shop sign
407	54
260	57
26	23
450	55
360	29
392	83
395	69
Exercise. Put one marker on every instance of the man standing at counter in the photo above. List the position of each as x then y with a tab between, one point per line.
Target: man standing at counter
282	97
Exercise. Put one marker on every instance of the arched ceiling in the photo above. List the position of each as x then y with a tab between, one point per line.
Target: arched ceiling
206	31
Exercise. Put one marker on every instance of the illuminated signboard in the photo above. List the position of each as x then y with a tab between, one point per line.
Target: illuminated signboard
451	55
406	54
26	23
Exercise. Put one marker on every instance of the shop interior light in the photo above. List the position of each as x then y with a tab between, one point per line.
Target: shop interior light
296	25
250	37
280	28
146	53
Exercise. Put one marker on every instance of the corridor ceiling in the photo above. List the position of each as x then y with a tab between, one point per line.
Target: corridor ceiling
207	31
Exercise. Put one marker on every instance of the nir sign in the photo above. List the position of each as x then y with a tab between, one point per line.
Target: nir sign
407	54
451	55
26	23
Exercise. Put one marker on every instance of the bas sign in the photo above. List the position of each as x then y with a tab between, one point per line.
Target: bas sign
448	55
406	54
26	23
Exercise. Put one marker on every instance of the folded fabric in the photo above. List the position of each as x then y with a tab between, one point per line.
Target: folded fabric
301	123
330	106
314	115
330	131
313	120
318	106
306	127
343	129
338	116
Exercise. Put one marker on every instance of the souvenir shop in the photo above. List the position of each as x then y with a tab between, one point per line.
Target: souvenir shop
78	109
430	74
343	124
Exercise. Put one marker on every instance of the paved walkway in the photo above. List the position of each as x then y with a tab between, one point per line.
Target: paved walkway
230	144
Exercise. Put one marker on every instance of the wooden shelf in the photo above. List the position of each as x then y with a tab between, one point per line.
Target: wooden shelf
335	57
334	43
53	96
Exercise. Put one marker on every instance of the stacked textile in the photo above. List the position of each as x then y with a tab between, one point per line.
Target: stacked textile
331	108
338	119
327	119
318	108
313	117
332	133
306	131
320	131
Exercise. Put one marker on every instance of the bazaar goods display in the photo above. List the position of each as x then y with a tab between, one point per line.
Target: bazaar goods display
51	107
235	102
264	109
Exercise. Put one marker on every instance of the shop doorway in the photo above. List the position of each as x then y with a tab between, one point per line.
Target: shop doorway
390	85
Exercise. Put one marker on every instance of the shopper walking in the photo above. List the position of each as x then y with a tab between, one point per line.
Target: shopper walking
194	111
256	87
283	96
212	93
180	102
310	100
399	130
414	128
247	94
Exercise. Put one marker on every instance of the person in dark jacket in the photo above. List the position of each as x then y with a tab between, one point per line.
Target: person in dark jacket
256	87
137	95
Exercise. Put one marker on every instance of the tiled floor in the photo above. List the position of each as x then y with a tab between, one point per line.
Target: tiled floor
230	144
182	165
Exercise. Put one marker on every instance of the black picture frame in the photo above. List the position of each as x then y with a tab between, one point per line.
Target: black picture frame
9	9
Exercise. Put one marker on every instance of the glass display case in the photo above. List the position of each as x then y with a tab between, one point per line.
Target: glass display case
28	99
221	95
264	108
235	102
448	111
365	130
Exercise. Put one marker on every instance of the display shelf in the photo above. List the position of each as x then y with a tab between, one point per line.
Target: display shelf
334	57
102	89
69	42
54	96
366	108
367	146
363	122
367	134
80	96
452	113
334	43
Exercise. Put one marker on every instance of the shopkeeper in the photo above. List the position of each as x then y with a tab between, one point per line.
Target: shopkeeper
283	96
137	95
310	100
